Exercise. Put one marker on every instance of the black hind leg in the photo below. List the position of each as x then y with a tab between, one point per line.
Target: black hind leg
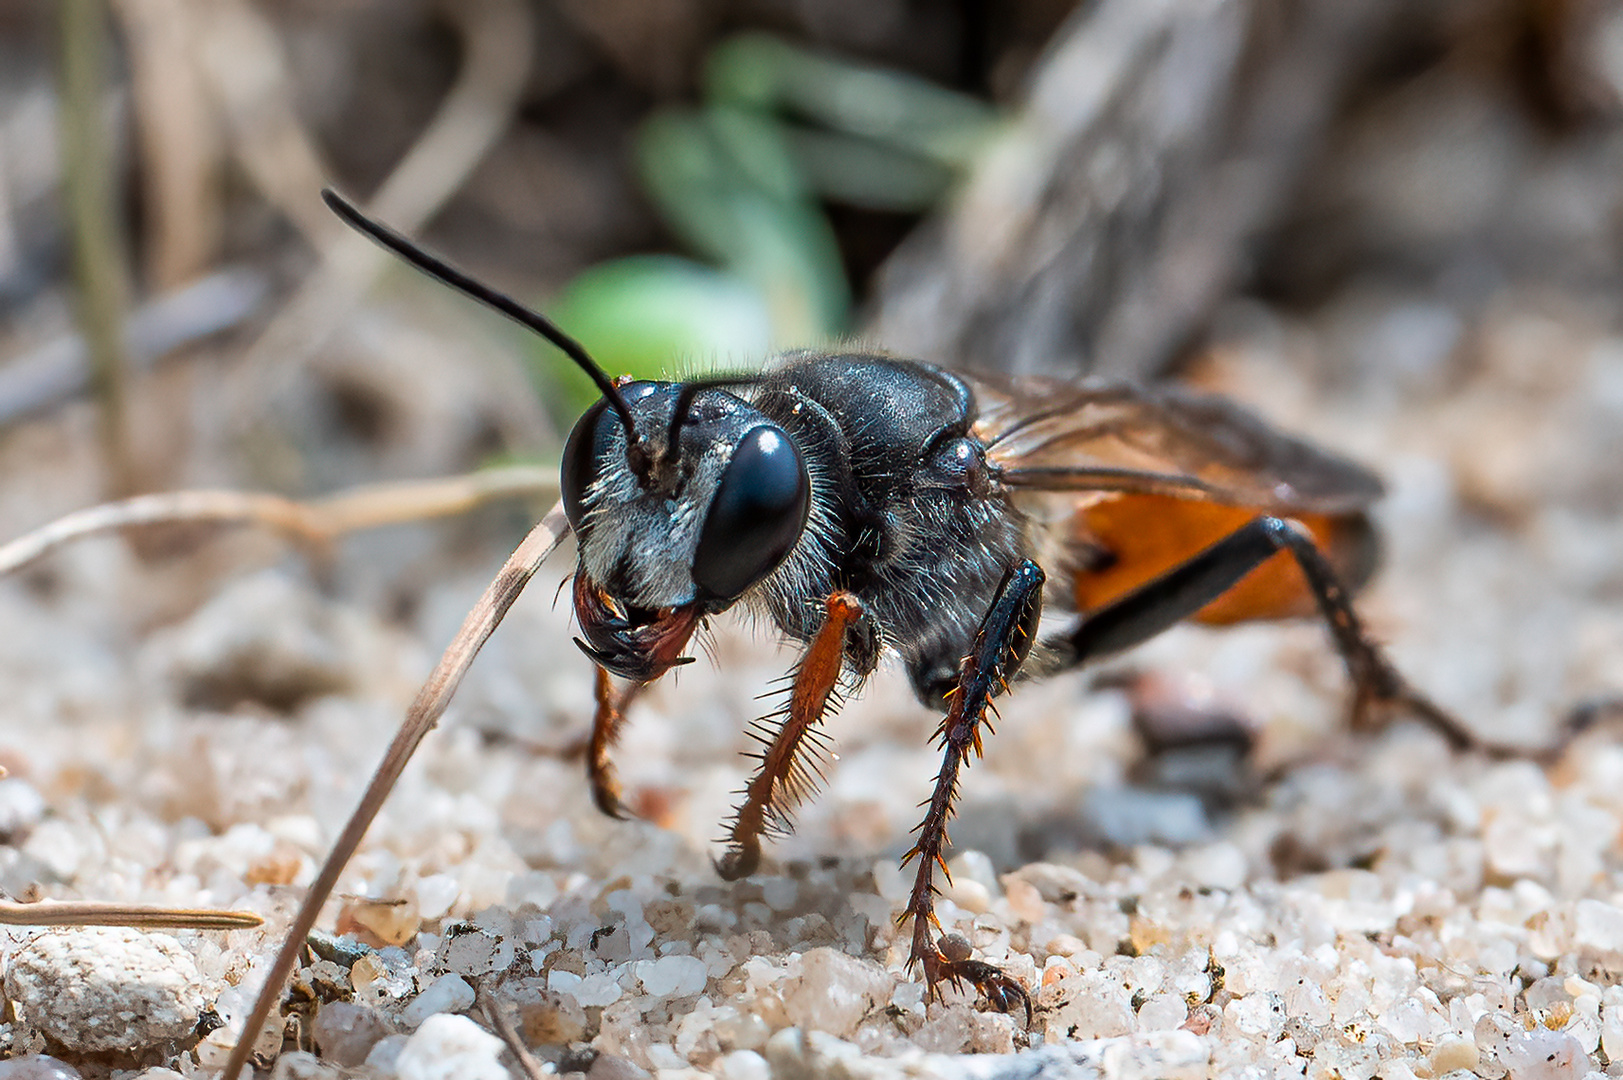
1184	590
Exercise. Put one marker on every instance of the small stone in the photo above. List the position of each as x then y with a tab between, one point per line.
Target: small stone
780	893
1406	1020
673	976
1162	1012
743	1065
298	1065
383	975
380	923
1219	866
450	1047
590	991
615	1067
37	1067
969	894
548	1018
278	866
956	948
1454	1052
435	895
834	992
1598	925
264	639
471	950
743	1030
385	1056
21	808
1542	1054
106	989
1026	900
446	994
346	1032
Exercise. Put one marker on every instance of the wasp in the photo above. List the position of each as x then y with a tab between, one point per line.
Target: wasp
872	506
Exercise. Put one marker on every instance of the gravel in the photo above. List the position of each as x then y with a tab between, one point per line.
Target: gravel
1347	906
98	990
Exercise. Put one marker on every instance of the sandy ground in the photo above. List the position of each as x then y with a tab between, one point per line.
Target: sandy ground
195	730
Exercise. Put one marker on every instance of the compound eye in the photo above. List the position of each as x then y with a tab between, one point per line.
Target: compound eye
757	515
583	454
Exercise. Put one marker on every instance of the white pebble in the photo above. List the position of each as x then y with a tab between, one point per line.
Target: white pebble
470	950
385	1056
968	894
347	1032
834	992
601	988
37	1067
446	994
1598	925
302	1065
673	976
1162	1012
780	893
435	895
1454	1052
743	1065
21	808
450	1047
1216	866
106	989
1542	1054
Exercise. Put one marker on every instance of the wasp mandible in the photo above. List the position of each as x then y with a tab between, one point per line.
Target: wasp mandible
870	505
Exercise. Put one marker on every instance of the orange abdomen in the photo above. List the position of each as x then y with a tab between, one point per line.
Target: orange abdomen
1140	537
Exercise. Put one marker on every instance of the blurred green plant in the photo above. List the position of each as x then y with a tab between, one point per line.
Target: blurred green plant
740	180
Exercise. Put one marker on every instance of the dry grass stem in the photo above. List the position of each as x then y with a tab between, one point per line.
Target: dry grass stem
97	913
313	522
98	258
421	718
178	125
502	1024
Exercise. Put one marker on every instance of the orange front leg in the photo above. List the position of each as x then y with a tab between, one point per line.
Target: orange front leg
607	724
785	778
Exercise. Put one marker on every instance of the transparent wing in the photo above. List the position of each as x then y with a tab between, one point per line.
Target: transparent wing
1052	435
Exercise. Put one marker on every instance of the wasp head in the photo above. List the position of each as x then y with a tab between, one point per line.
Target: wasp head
674	520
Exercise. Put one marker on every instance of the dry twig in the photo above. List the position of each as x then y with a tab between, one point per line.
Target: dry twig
315	522
178	126
502	1025
98	913
87	175
421	718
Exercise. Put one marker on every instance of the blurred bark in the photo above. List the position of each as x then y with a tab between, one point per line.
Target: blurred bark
1158	138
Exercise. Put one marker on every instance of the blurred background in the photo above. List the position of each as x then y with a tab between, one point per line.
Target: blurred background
690	183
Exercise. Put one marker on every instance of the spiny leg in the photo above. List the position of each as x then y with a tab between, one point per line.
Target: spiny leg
607	724
1001	644
781	781
1185	589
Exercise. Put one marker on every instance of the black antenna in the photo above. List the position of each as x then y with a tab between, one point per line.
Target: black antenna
439	269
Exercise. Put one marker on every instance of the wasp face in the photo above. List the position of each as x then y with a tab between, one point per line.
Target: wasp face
721	499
